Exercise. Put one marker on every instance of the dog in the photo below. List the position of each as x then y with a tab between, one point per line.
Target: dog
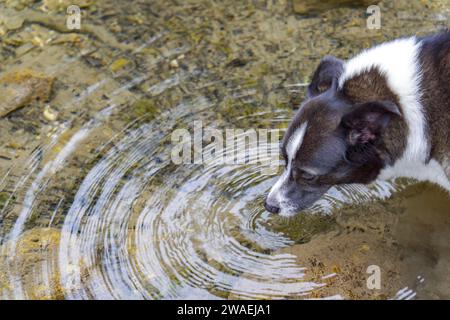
383	114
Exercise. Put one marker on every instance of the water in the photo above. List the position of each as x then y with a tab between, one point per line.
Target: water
92	207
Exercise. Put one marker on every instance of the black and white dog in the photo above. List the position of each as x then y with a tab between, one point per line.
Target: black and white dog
384	113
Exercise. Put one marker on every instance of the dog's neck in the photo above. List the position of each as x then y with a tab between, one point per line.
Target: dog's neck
391	71
402	71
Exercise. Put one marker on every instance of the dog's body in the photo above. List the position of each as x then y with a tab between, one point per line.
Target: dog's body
383	114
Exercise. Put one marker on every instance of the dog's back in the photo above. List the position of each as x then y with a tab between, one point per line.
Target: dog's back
435	94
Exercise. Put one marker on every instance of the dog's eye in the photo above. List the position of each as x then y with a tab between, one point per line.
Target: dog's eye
308	176
303	175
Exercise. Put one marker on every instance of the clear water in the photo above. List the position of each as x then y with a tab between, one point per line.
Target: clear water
92	207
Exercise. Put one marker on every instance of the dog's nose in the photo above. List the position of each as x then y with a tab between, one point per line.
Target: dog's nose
271	208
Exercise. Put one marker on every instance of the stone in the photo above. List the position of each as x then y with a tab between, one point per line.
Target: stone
174	64
61	5
50	114
33	251
314	7
22	88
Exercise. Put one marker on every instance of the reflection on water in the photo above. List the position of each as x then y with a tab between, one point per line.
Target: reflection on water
92	207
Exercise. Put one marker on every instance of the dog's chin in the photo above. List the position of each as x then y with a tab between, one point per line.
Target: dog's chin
288	210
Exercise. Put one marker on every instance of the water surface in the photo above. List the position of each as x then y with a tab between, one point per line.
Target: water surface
92	207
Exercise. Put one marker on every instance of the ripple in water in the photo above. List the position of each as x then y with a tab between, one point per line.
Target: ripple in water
140	227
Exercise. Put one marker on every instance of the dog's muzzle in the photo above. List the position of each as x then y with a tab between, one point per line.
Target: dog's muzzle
271	208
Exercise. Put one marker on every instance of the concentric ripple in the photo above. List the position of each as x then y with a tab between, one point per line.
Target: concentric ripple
140	227
145	228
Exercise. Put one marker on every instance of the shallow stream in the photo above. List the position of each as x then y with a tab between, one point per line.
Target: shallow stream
92	207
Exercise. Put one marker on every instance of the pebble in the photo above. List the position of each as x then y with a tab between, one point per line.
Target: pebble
174	63
22	88
50	114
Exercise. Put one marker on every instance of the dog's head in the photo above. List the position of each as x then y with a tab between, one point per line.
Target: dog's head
330	141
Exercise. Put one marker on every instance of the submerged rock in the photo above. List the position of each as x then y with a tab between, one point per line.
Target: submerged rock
35	249
19	4
142	108
10	20
121	66
61	5
174	64
23	87
50	114
312	6
302	227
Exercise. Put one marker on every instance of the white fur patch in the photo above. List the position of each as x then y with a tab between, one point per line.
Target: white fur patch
295	141
292	147
431	171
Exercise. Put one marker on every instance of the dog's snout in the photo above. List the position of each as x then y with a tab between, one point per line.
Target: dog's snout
271	208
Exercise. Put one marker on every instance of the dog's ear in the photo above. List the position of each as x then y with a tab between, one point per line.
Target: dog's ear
365	122
326	74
